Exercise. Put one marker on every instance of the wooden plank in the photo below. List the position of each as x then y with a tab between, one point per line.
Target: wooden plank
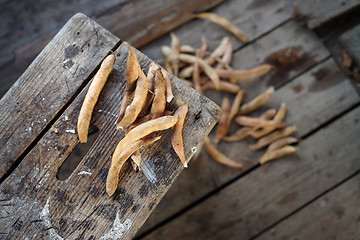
27	26
350	40
318	12
292	49
41	206
335	215
49	83
209	175
255	18
273	191
331	34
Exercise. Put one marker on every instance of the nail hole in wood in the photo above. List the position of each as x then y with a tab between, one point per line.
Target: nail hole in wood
73	160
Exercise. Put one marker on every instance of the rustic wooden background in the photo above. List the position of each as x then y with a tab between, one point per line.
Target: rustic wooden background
38	131
313	194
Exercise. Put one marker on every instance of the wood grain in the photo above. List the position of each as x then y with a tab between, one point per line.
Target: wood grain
49	83
27	26
311	103
335	215
79	207
247	206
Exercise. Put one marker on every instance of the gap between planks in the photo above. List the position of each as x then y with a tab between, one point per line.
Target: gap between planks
262	35
336	214
339	184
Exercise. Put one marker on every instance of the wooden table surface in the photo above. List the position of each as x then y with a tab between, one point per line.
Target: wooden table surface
312	194
48	96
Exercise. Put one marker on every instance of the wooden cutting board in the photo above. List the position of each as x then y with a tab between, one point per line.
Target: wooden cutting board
38	132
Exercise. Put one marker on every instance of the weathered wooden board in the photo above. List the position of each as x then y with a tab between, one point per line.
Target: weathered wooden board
336	215
27	26
247	207
49	83
255	18
317	12
43	206
311	103
40	206
320	94
351	41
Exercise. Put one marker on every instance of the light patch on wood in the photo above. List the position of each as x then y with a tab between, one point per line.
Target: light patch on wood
108	113
34	174
193	149
70	131
148	170
84	173
43	180
118	228
118	68
45	216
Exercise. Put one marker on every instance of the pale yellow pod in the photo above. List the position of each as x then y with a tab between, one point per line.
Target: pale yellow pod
264	141
136	158
133	110
223	86
257	102
280	115
208	70
227	56
196	75
238	135
92	96
223	123
277	153
236	75
143	130
175	47
114	171
169	92
177	130
236	104
281	143
159	101
187	49
245	131
223	22
258	122
150	93
132	74
217	155
218	52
